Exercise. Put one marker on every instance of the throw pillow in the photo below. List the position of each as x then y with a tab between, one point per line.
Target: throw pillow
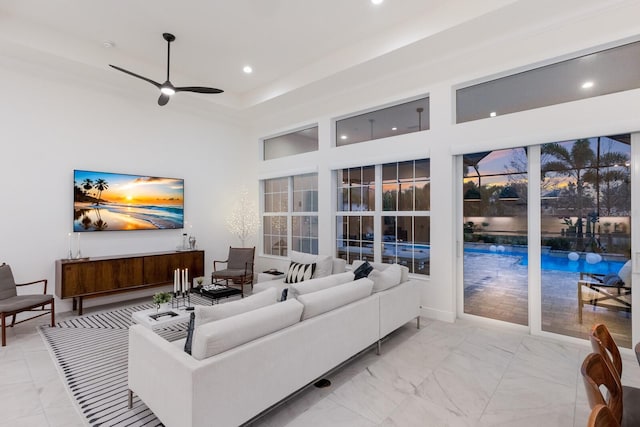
363	270
324	263
189	341
299	272
386	279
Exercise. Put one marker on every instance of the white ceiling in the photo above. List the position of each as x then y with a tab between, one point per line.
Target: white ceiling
290	44
299	49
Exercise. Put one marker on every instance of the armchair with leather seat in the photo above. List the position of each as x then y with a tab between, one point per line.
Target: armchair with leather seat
239	269
11	304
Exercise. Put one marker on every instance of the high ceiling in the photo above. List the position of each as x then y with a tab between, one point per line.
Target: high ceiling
297	48
289	43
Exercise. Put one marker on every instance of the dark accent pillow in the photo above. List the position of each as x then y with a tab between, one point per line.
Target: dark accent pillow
189	341
612	280
285	292
299	272
363	270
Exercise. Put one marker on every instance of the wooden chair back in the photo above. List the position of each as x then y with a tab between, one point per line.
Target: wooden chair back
601	416
596	373
601	332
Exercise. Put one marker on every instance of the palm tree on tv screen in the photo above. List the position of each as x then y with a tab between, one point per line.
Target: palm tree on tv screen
100	185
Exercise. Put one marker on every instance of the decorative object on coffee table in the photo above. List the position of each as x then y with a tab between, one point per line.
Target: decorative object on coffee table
162	300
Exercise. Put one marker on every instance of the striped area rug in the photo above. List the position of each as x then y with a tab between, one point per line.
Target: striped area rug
91	352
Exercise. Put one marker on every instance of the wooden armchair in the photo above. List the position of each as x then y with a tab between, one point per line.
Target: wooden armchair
609	291
239	267
11	303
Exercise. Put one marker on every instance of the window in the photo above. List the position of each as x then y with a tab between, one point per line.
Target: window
596	74
391	121
298	142
396	231
290	224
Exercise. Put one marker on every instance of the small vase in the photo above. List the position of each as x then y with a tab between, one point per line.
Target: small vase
165	306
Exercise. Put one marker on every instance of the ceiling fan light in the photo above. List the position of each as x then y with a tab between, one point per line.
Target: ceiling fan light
167	90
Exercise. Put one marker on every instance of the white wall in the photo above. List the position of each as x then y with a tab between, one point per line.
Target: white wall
538	42
52	124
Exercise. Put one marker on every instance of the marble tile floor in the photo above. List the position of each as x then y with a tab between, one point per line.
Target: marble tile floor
445	374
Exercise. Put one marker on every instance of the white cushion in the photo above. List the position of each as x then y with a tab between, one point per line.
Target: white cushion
325	300
382	267
222	335
625	273
319	284
387	278
206	314
324	263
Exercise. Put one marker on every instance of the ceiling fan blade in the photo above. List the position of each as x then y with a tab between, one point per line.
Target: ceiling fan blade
198	89
163	99
156	84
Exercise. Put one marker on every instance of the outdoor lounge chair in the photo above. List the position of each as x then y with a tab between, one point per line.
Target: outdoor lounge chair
11	303
611	291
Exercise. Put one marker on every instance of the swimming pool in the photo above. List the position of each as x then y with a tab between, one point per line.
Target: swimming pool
558	262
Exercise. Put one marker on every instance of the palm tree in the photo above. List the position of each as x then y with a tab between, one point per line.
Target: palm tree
87	184
100	185
574	164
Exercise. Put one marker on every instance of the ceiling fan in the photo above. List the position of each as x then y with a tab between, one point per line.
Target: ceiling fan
167	89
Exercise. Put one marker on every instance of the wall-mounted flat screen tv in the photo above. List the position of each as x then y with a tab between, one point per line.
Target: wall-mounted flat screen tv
105	201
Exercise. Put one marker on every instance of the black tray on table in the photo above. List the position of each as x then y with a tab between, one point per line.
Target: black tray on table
215	294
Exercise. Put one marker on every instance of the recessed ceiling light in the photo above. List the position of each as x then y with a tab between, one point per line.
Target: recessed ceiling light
376	1
394	128
247	69
343	136
587	85
493	114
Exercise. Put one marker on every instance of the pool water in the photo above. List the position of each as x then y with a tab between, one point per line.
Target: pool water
559	263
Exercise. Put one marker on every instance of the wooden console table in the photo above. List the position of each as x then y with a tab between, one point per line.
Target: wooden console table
94	277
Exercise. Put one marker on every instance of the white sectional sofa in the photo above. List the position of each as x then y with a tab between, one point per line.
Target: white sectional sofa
252	353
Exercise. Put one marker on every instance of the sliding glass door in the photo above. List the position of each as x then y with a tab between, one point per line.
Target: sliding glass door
580	231
585	192
495	235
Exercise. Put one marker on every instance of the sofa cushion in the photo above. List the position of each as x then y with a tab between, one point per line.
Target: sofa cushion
387	278
316	303
382	266
321	283
324	263
625	273
216	337
299	272
206	314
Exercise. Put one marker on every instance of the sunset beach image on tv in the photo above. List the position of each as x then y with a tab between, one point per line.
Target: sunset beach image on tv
111	202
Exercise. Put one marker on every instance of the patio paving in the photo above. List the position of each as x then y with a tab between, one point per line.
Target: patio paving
495	286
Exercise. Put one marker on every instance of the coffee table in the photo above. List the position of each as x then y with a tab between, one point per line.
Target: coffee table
152	319
216	294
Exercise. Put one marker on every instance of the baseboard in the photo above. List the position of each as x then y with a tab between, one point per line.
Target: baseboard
432	313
